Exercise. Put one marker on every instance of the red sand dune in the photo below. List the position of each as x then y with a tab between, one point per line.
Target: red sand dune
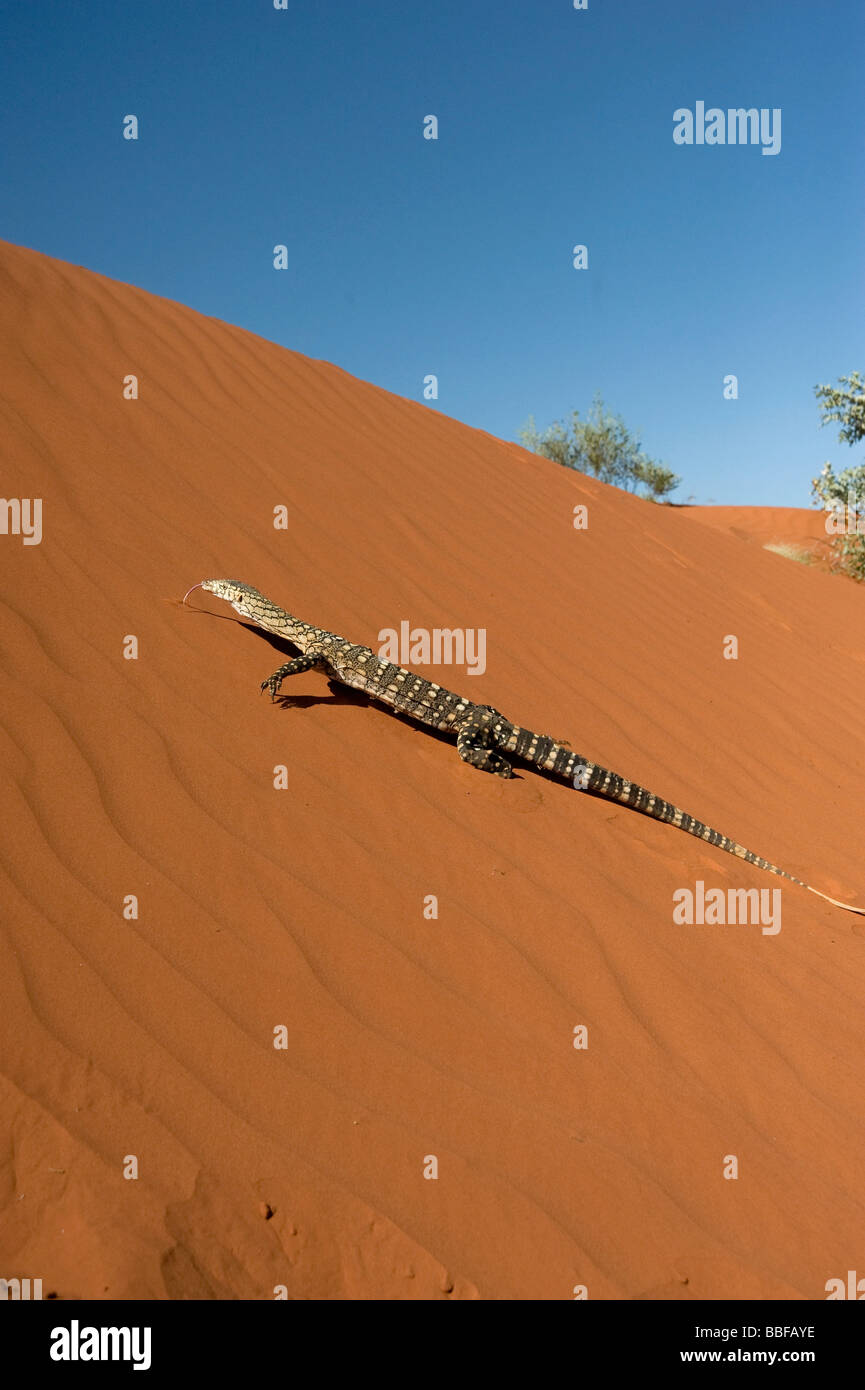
406	1037
800	528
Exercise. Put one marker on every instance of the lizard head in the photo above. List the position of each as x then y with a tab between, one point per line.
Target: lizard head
242	597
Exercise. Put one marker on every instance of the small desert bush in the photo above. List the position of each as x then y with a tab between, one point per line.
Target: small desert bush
842	495
601	445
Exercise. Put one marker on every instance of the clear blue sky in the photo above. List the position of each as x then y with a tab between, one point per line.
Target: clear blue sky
453	257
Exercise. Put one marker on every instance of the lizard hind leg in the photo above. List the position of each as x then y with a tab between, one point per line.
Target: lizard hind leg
476	744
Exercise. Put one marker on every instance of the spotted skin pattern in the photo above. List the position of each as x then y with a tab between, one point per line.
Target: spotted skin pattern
483	735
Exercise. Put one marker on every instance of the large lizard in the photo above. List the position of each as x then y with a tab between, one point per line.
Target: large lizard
483	735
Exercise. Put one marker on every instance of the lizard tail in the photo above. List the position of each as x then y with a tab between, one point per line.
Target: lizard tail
555	758
848	907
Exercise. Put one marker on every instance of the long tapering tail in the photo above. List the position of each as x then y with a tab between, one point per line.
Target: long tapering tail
561	762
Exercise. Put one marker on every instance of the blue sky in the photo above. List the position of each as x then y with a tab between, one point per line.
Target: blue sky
408	256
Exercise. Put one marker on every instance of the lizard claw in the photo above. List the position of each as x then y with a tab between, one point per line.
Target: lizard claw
272	684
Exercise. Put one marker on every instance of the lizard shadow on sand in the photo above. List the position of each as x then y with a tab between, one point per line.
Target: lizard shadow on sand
345	695
342	694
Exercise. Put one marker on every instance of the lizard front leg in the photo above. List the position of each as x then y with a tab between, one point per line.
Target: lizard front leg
476	744
291	668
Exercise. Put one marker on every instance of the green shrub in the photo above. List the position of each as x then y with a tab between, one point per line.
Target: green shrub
603	446
842	495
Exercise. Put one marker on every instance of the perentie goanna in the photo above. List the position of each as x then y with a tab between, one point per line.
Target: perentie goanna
483	735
